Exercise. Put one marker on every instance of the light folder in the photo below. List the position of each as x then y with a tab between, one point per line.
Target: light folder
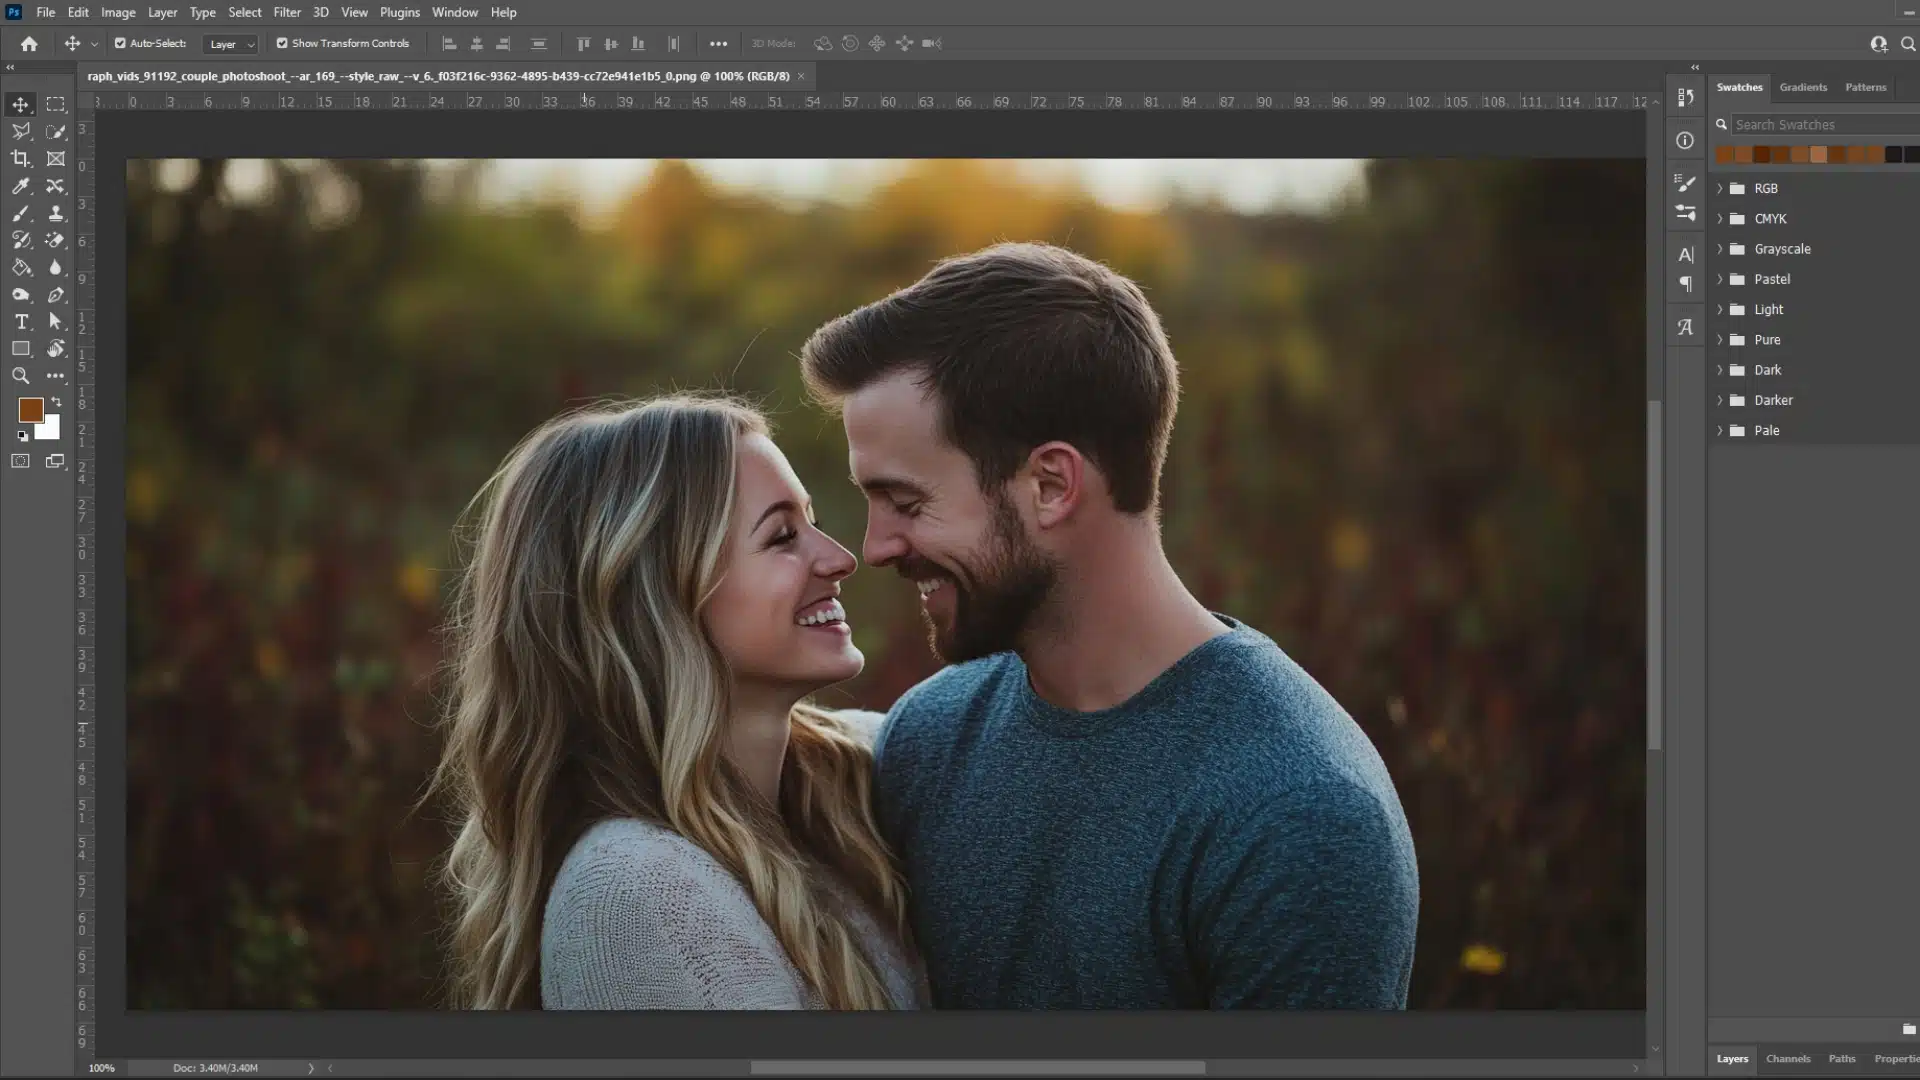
1736	279
1736	309
1738	371
1736	188
1738	431
1737	400
1736	339
1736	249
1736	219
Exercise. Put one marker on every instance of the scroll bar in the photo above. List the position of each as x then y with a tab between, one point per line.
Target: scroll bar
979	1068
1656	544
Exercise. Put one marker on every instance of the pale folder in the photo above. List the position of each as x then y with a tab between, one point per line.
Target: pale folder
1736	400
1736	309
1736	219
1738	431
1736	249
1736	339
1736	188
1738	371
1736	279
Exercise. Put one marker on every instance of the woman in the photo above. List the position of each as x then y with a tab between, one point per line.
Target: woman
653	817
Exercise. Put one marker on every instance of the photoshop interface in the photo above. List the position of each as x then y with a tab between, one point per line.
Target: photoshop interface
1367	540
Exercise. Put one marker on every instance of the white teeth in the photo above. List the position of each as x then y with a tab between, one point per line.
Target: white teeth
927	587
832	613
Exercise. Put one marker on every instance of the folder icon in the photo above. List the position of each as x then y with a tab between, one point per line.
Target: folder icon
1737	400
1736	279
1736	219
1738	371
1736	309
1736	339
1736	188
1738	431
1910	1029
1736	249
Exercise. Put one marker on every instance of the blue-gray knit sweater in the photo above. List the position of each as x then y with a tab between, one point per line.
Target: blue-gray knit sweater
1228	838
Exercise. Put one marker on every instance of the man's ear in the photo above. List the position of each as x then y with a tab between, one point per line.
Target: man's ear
1059	477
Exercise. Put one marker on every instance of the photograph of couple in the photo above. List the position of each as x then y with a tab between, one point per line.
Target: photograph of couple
882	586
1112	797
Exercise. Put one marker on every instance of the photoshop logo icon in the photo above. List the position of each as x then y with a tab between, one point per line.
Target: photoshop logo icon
16	12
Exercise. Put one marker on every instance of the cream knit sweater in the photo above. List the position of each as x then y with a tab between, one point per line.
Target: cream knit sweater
642	918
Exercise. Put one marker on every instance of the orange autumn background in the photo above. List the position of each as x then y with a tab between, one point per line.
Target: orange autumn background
1410	449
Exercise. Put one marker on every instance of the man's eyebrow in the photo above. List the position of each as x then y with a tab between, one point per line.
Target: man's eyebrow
890	485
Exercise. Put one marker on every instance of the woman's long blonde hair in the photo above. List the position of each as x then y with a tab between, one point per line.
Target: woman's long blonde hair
584	687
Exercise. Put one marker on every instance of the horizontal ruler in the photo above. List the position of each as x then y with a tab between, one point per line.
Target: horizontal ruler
623	100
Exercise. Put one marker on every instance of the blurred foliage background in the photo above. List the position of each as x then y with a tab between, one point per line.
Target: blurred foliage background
1410	449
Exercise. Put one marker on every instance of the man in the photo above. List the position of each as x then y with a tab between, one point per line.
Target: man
1112	797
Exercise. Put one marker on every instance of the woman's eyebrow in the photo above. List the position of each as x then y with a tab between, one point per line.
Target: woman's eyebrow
783	504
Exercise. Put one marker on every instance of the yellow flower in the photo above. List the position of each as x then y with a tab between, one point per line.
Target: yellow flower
1483	960
1350	546
416	582
271	661
143	494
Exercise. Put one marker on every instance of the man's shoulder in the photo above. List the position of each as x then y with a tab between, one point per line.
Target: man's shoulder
928	717
951	689
1253	692
1276	736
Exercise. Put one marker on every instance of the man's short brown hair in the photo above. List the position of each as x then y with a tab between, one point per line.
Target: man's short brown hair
1021	344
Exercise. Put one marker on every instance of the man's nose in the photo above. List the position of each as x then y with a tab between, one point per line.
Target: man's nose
881	545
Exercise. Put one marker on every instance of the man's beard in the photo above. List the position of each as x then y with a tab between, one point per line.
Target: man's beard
1000	596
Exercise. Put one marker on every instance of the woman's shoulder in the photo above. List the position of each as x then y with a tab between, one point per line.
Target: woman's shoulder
641	917
631	856
863	724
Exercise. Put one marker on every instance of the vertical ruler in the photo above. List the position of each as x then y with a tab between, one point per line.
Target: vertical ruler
87	586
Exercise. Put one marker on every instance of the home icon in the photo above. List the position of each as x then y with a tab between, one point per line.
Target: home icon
29	45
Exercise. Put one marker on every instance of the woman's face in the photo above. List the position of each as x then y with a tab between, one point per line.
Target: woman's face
776	616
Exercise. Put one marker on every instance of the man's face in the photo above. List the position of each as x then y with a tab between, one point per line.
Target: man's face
980	574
